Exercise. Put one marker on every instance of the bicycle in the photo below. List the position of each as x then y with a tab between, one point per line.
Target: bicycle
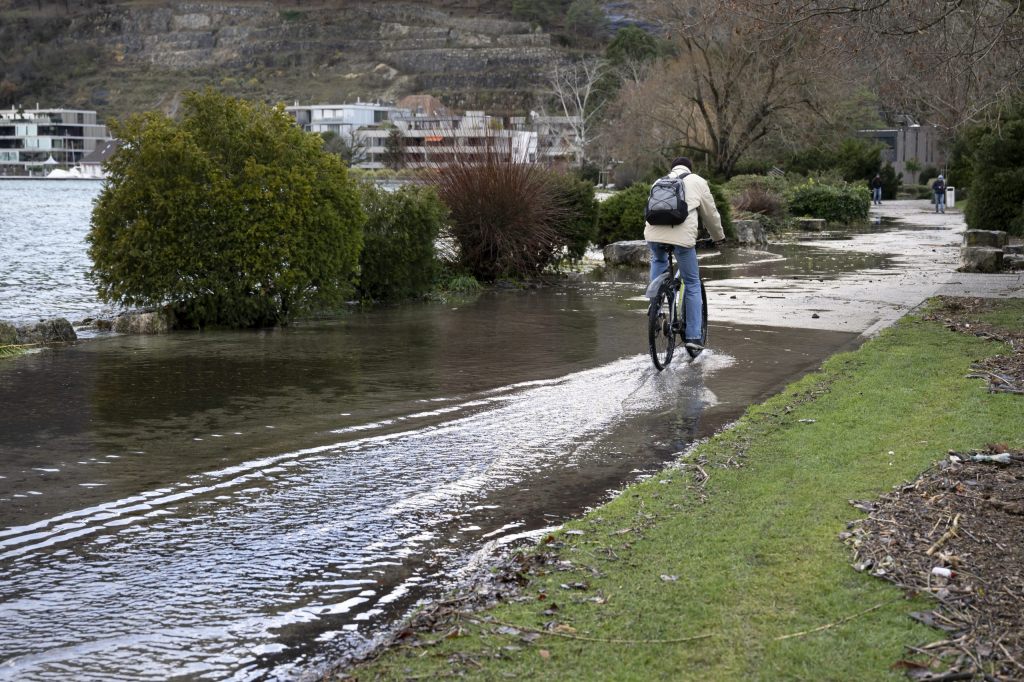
666	315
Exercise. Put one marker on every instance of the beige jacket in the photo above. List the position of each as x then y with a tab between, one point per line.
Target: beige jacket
698	196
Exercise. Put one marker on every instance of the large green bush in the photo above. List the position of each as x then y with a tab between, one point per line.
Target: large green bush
997	184
621	216
232	216
835	203
398	260
577	220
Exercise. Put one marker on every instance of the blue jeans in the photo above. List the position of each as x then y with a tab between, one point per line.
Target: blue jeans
687	261
940	202
876	194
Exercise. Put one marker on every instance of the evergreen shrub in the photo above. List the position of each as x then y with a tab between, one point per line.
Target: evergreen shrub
621	216
997	185
232	216
397	261
577	219
835	203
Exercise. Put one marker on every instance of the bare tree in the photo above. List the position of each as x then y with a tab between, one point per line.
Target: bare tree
950	62
735	80
574	85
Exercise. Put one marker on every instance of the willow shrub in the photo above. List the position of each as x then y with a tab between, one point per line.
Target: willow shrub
505	216
398	259
843	203
231	216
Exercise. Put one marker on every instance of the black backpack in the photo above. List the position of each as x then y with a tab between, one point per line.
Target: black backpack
666	204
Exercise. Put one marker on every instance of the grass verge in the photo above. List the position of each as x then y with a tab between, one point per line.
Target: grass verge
728	566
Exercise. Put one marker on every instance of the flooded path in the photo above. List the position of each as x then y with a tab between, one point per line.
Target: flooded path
253	504
256	505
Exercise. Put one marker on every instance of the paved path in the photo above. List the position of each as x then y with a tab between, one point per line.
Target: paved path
925	256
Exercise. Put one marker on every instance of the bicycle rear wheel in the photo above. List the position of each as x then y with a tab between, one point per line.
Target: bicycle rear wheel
660	336
703	322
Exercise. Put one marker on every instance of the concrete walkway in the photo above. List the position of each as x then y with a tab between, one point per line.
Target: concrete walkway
924	255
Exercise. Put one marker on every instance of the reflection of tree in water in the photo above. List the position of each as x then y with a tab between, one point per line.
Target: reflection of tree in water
187	374
510	336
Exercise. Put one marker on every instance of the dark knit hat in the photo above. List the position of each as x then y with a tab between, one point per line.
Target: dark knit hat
682	161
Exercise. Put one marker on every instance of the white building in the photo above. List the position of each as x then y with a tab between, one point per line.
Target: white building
425	139
38	141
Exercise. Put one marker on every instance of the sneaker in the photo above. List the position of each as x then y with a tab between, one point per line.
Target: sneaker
694	344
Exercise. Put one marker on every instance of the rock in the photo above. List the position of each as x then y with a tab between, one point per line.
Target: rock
749	232
980	259
8	334
634	252
57	330
1013	261
810	224
992	238
142	323
1015	249
104	325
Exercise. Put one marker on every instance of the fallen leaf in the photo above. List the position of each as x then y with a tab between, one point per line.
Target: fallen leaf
670	578
565	629
545	654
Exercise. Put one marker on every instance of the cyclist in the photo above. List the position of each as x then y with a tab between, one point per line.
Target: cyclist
682	238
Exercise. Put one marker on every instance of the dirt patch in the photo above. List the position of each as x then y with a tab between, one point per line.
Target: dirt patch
1004	373
956	533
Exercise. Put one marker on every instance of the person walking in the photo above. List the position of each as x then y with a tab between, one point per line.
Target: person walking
939	187
682	239
876	189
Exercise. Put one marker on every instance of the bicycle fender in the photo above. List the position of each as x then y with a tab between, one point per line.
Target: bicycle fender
655	285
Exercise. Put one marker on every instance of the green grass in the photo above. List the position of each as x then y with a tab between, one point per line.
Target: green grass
1009	315
759	559
12	351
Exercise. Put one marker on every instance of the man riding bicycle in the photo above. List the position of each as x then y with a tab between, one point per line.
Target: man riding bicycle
683	237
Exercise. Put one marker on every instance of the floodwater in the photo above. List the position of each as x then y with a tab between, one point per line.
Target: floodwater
260	504
43	260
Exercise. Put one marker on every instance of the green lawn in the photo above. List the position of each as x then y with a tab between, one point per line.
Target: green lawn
755	568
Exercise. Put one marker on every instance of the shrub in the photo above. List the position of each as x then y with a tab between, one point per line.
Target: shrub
926	174
397	260
577	220
505	215
621	216
766	204
233	216
834	203
997	186
724	210
773	184
890	182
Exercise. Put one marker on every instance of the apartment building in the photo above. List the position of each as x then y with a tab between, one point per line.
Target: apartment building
34	142
419	134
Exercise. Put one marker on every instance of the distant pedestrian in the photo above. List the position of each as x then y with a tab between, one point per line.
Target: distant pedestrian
939	187
876	189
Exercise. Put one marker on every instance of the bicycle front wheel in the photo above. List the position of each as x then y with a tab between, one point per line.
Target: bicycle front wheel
660	318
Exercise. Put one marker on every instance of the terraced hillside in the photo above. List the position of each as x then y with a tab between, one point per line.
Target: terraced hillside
127	56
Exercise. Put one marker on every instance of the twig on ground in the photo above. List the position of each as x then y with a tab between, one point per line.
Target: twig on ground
567	635
832	625
945	536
